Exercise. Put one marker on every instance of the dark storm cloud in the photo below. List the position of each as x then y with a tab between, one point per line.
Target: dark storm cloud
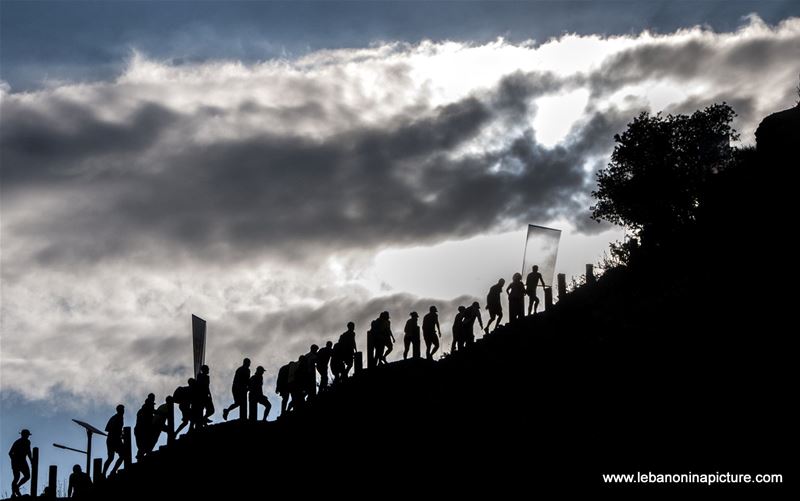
287	195
727	64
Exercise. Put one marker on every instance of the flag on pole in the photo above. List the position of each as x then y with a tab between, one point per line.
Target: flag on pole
541	249
198	342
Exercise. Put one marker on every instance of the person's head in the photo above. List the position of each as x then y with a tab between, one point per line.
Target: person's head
476	306
259	370
76	468
204	369
385	315
414	314
150	397
169	399
517	277
433	309
462	309
121	408
329	344
502	281
191	381
535	268
351	326
25	433
246	362
314	348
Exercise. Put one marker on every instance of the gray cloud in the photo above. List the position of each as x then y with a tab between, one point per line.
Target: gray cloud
367	187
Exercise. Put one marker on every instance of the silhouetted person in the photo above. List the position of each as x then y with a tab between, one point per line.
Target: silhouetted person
20	453
310	372
347	344
516	298
337	363
411	337
324	356
374	343
79	483
160	420
183	397
256	389
297	383
430	326
468	324
114	443
239	388
531	282
203	393
282	386
457	328
494	306
385	336
142	430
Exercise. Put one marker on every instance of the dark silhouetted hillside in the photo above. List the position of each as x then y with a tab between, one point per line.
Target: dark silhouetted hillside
678	362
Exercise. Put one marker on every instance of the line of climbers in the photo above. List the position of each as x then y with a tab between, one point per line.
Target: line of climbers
296	381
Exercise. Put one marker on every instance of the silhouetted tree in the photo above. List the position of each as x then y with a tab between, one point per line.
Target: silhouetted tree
659	168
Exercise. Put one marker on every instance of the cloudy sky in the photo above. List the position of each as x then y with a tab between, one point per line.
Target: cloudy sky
281	169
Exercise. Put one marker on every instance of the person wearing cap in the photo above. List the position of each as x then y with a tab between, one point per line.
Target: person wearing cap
472	313
430	324
20	453
411	337
494	306
239	388
114	443
256	388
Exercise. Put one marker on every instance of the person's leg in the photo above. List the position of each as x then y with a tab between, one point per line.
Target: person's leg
118	463
267	406
15	481
26	475
252	415
407	343
499	319
435	344
535	304
530	304
110	451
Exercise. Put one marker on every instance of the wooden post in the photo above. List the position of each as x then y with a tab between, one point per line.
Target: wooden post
562	286
359	362
590	279
52	479
170	423
126	440
548	298
34	472
98	470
